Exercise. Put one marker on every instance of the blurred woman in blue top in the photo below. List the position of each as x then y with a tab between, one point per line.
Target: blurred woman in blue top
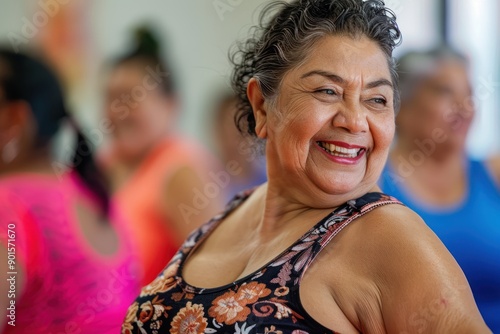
429	170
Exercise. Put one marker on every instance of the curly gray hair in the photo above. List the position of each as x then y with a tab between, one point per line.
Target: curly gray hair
287	30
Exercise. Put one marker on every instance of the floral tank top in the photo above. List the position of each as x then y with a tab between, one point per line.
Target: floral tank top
266	301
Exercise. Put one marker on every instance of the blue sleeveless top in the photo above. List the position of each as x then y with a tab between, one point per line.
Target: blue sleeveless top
470	231
266	301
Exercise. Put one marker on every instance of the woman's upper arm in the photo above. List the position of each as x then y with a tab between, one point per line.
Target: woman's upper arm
423	290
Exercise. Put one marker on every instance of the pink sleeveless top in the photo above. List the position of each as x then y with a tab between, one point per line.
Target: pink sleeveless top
68	286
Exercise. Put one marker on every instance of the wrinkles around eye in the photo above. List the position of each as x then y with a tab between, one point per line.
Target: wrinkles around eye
327	91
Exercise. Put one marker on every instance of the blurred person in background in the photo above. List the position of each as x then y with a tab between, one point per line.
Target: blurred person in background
160	177
72	260
429	170
234	148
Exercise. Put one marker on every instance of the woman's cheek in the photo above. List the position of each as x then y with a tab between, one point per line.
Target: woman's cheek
382	130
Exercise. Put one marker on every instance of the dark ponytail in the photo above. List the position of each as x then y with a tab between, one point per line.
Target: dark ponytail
84	165
27	79
146	50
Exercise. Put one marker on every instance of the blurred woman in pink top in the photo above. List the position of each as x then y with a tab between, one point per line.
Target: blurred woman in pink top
70	268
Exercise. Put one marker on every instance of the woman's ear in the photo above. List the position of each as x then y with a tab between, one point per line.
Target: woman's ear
256	99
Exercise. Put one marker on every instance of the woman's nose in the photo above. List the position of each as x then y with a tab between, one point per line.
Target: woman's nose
351	117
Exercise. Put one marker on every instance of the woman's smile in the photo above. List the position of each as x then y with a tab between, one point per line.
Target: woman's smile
342	153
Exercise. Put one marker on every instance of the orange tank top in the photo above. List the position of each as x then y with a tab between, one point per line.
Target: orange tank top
139	200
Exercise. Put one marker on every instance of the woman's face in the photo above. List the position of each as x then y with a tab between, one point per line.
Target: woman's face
140	114
442	100
329	132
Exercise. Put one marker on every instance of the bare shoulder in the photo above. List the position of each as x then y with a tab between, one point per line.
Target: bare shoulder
395	226
417	277
400	247
417	286
397	230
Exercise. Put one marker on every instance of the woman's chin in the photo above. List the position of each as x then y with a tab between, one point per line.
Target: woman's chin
339	184
341	188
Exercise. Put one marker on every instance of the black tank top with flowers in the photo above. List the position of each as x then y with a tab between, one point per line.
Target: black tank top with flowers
266	301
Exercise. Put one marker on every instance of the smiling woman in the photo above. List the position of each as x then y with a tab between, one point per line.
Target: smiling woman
335	88
317	249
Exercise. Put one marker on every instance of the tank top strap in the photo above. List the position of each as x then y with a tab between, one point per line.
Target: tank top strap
306	249
352	210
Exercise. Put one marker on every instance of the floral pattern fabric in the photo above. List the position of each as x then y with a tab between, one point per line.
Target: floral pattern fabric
266	301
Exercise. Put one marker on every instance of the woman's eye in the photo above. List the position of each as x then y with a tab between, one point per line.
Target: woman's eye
380	101
327	91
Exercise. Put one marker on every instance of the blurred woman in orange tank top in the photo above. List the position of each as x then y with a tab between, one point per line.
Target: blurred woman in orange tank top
159	177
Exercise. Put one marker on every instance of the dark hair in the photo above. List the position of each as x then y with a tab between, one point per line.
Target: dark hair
414	66
288	30
26	79
147	50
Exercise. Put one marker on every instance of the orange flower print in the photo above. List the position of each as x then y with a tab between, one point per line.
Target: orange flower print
281	291
147	312
282	311
272	330
251	292
130	318
189	320
153	310
171	270
163	282
127	328
160	284
228	309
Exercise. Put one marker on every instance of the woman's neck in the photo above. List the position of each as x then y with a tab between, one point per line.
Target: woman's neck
271	215
283	211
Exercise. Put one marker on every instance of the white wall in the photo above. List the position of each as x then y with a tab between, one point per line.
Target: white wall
418	21
475	31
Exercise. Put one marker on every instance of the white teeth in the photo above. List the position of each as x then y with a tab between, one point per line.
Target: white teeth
340	151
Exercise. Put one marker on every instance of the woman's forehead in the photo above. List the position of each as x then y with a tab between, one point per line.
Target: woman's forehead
346	57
